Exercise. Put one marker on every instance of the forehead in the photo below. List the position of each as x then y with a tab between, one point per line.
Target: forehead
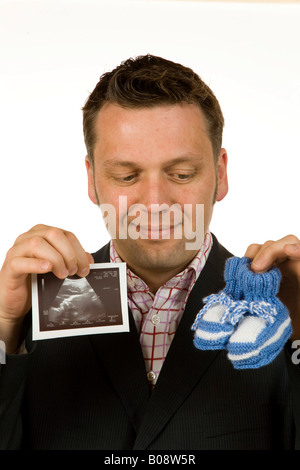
170	129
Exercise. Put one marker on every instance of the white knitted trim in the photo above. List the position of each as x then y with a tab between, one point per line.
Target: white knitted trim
214	313
273	339
248	330
210	336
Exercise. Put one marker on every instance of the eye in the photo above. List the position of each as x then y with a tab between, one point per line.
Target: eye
126	179
182	177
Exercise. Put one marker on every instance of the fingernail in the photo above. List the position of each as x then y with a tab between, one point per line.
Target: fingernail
84	272
73	271
45	265
294	246
64	273
257	263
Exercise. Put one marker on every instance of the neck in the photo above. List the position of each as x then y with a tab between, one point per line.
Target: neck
156	268
156	279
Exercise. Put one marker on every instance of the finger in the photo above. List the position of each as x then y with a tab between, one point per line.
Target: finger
293	250
255	249
252	250
90	258
82	258
15	298
38	248
76	260
21	266
65	244
72	257
271	253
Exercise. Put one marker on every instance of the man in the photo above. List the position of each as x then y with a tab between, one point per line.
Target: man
153	132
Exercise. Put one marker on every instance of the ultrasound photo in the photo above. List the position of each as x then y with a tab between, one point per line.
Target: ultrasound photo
76	306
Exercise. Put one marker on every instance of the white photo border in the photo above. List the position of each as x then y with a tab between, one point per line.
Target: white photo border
38	334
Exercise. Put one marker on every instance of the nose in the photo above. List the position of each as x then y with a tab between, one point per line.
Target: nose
154	193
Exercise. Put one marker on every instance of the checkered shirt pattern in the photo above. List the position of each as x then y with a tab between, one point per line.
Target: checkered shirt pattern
157	316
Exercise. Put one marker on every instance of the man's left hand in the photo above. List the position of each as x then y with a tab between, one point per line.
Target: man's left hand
285	254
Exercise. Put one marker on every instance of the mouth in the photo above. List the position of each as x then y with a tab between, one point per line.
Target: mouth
156	232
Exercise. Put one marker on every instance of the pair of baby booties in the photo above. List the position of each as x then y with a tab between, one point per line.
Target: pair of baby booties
246	317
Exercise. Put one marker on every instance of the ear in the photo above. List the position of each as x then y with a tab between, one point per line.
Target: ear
222	175
91	183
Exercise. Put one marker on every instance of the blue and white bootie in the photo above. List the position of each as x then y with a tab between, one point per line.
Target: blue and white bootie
265	325
216	321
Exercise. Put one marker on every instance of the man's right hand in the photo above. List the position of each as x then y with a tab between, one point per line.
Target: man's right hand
40	250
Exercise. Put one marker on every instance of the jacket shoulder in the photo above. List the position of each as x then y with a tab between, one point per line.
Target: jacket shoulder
102	255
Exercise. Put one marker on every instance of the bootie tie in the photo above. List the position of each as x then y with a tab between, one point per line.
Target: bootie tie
216	322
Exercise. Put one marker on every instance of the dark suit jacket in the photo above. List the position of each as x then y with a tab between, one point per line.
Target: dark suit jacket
91	392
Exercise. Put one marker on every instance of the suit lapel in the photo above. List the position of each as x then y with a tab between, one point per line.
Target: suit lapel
121	355
184	364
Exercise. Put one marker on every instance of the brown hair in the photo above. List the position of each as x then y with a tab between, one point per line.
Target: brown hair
148	81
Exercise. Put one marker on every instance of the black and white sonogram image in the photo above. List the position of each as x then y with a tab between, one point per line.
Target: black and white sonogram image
80	303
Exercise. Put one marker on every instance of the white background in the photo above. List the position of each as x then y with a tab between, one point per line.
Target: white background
52	54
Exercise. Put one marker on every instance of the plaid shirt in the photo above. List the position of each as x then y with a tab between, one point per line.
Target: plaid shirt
158	315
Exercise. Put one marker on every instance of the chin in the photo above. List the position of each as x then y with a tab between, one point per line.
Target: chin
164	254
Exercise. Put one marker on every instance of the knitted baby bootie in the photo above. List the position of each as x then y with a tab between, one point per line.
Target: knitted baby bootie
265	325
215	323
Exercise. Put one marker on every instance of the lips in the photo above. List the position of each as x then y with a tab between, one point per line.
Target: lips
154	228
156	232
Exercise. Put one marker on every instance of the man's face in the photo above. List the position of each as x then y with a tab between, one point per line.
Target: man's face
156	158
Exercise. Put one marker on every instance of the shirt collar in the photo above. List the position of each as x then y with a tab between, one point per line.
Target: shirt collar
195	267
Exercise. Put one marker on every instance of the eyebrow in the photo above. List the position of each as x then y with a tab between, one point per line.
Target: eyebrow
119	163
175	161
184	159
